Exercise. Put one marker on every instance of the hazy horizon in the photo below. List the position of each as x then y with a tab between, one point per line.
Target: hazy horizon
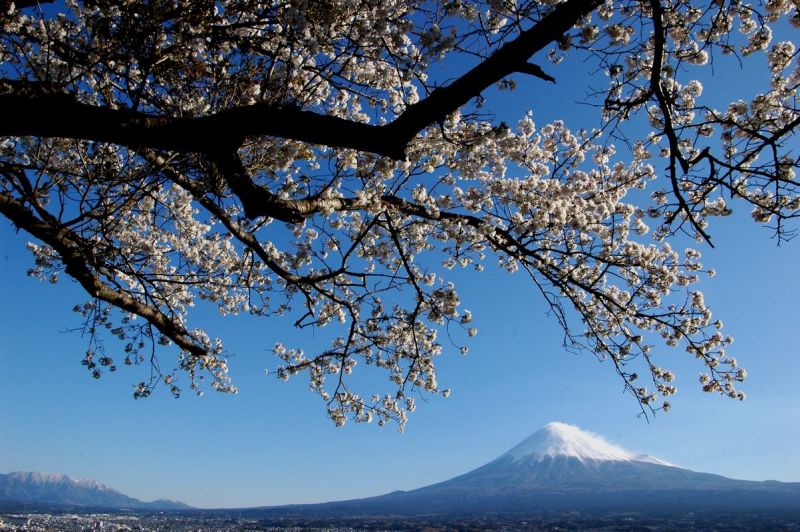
555	440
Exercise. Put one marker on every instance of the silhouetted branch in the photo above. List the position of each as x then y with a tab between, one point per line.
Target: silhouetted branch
36	109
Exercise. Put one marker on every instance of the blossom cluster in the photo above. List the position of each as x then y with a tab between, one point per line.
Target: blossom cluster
152	233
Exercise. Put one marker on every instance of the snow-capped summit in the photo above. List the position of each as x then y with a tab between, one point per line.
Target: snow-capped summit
561	439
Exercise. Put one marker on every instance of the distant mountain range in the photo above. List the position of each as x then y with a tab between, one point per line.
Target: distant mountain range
563	468
55	488
559	468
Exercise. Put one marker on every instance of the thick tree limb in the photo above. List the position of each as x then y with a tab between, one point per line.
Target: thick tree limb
39	110
32	109
509	58
256	200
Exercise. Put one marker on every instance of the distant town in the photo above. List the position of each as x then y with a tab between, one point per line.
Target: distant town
229	521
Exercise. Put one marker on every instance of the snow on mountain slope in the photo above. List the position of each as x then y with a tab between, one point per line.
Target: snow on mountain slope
562	467
34	477
56	488
560	439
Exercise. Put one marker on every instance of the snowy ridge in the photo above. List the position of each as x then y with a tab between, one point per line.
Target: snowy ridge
561	439
56	478
57	488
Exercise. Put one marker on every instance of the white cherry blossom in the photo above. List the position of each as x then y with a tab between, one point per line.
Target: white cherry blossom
334	161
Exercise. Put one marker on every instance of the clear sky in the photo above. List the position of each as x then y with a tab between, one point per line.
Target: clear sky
273	443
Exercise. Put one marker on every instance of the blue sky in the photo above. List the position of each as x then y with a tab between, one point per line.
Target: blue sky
273	443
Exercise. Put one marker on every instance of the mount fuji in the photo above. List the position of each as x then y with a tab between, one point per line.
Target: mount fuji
562	467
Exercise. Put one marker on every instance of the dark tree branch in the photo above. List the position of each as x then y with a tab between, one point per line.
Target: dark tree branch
34	109
77	264
41	110
535	70
675	155
256	200
509	58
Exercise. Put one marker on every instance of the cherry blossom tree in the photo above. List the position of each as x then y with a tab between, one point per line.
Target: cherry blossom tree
309	159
